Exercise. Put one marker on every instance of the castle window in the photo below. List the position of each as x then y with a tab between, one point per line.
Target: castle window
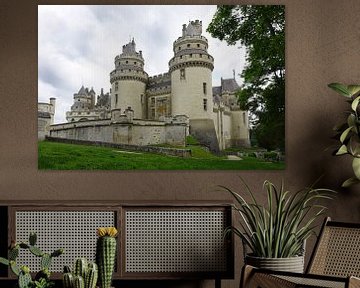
190	55
135	62
129	70
200	55
122	70
198	45
142	98
188	45
181	57
182	74
179	48
204	87
116	86
244	118
116	98
127	62
205	104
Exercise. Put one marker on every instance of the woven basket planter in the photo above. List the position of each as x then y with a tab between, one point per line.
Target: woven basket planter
291	264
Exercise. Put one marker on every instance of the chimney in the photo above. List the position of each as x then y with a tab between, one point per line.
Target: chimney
183	29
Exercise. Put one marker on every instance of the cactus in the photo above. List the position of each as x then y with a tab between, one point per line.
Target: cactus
91	276
57	253
105	254
32	238
36	251
68	280
14	268
80	267
42	278
13	253
45	261
43	274
87	272
24	280
79	282
67	269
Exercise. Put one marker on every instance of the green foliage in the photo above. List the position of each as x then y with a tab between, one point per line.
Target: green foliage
191	140
43	283
68	156
42	278
349	131
261	30
279	229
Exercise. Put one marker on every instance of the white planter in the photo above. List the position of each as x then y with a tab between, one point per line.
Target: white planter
291	264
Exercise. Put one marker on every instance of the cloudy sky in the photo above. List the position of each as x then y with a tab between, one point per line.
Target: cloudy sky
77	45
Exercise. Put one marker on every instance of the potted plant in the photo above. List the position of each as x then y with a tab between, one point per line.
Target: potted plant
84	274
42	278
349	132
276	233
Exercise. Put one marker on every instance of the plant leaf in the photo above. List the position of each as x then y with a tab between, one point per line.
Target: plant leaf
355	103
349	182
342	150
4	261
340	88
353	89
344	134
356	167
351	120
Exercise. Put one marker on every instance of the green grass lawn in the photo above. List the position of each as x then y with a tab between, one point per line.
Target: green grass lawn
59	156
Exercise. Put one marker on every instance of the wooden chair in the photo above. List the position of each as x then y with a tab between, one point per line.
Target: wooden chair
334	263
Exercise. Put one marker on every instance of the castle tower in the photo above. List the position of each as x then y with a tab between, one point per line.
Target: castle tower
191	83
128	81
191	70
52	109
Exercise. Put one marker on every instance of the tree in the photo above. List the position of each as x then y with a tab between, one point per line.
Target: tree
261	30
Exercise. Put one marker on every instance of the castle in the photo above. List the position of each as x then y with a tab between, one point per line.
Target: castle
181	96
46	112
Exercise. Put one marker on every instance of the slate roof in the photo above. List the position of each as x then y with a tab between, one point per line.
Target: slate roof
82	90
216	90
229	85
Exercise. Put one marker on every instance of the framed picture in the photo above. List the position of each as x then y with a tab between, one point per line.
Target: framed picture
170	87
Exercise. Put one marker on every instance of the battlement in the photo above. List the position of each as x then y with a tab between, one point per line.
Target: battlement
159	77
130	50
194	28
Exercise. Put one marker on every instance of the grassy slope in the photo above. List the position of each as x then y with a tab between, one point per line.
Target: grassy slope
60	156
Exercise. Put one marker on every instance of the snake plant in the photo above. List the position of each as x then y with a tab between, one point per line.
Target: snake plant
279	228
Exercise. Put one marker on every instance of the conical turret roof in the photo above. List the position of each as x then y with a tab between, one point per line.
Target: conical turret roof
82	90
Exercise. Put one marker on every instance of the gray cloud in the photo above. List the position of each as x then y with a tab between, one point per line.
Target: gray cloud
78	44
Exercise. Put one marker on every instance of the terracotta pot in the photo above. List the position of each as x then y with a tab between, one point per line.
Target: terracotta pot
291	264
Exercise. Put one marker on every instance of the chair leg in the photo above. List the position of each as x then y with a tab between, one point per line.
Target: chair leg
217	283
246	274
354	282
250	278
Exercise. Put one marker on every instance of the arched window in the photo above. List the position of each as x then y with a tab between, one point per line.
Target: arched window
182	74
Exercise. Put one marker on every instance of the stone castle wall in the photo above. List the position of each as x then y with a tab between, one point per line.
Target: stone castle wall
138	132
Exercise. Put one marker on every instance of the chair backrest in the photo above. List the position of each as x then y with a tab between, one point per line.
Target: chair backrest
337	251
